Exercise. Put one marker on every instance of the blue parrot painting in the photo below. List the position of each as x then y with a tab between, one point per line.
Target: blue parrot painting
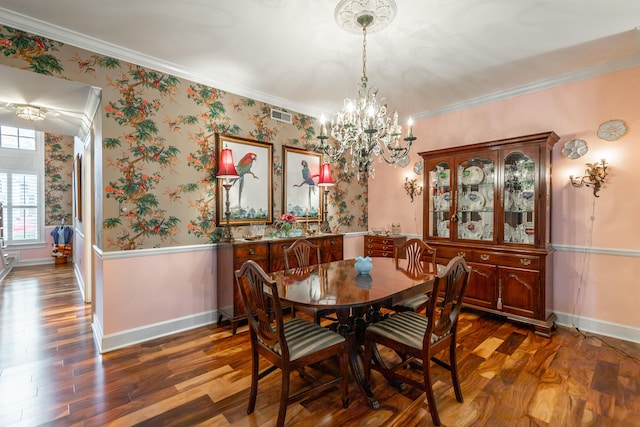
243	168
307	179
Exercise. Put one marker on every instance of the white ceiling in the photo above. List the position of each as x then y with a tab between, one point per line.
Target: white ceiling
436	56
69	104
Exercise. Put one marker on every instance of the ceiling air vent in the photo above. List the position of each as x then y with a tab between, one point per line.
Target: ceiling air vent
281	116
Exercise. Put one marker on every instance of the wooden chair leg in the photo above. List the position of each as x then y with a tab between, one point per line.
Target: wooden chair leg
428	387
454	372
253	393
344	371
284	398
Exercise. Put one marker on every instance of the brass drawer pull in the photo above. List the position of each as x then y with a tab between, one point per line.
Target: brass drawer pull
484	257
385	254
462	254
252	251
525	261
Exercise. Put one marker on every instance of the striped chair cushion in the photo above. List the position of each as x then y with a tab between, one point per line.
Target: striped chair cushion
406	327
414	302
304	337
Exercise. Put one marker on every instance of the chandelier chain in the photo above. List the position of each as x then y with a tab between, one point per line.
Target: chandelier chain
364	51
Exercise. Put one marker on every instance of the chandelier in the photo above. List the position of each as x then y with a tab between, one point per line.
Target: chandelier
363	127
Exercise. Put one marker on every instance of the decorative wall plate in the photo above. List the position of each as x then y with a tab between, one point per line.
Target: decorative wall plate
575	148
418	168
612	130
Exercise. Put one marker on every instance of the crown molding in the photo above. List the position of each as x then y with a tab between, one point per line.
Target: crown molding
91	44
36	26
585	73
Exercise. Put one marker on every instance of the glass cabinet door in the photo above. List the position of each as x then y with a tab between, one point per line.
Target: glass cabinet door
475	189
440	199
519	198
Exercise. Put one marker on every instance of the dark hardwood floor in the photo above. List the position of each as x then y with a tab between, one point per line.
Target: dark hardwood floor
51	374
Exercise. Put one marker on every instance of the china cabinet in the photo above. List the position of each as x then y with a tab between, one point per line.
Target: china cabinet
491	203
269	254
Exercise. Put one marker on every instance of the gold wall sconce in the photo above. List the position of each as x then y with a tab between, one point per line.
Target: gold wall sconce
594	176
412	188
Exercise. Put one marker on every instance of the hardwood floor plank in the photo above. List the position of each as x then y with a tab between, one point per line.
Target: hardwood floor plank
51	374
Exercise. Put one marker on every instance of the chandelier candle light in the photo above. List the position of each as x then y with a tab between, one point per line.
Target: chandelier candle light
363	127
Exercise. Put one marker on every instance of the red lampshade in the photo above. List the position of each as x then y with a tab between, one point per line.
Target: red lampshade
325	176
226	168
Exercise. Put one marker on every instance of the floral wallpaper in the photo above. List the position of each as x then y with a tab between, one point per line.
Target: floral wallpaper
58	173
158	148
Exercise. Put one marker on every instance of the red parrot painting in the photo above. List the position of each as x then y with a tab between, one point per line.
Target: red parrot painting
243	168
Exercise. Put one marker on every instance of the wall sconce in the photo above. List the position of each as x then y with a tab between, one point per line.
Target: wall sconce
595	174
227	172
30	112
412	188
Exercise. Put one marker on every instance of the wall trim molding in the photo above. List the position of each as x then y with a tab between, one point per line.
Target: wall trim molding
153	251
599	251
118	340
600	327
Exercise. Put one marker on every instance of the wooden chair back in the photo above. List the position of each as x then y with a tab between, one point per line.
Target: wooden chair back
416	251
264	312
443	312
303	250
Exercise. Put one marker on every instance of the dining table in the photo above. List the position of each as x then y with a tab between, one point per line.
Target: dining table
356	298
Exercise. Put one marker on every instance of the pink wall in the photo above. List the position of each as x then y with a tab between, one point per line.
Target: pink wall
143	290
607	284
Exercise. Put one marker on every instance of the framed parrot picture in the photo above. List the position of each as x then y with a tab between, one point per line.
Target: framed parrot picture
301	194
251	194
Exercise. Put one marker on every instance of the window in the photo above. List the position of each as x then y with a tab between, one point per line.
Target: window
21	184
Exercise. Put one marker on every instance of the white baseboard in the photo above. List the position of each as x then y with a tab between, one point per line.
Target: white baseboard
80	280
599	327
40	261
137	335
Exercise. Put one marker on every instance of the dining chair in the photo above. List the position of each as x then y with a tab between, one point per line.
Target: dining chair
289	346
416	252
420	337
303	250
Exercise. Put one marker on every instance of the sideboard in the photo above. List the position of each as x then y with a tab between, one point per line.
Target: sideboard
269	254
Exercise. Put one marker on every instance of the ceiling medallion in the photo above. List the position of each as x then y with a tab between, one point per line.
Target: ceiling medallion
612	130
348	11
575	148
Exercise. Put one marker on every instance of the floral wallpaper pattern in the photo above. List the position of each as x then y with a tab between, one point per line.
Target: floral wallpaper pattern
158	146
58	174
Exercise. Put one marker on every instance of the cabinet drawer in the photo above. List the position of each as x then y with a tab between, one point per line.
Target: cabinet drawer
448	253
379	253
508	260
254	251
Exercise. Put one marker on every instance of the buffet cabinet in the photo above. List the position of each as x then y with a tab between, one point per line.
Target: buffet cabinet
381	246
491	203
269	254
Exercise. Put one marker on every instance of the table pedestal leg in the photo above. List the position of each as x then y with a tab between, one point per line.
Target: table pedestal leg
348	327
